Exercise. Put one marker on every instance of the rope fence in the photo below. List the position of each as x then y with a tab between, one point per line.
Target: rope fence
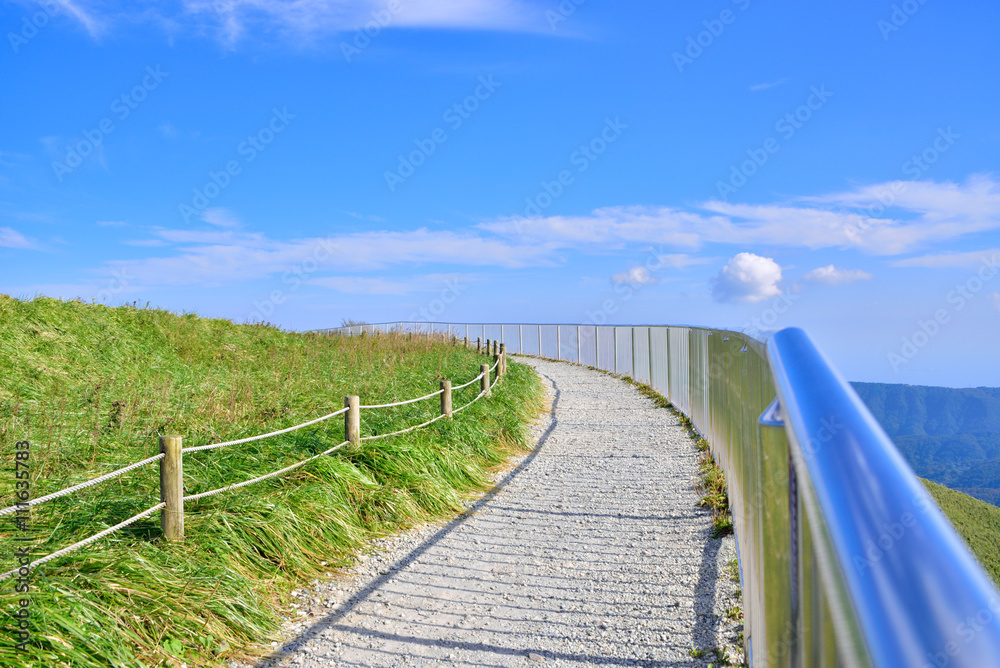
172	452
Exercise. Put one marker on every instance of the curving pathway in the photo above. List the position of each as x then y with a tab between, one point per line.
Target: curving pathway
591	552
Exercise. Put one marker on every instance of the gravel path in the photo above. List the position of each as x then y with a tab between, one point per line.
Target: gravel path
590	552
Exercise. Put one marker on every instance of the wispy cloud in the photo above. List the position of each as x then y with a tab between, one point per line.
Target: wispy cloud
220	217
951	260
924	213
302	21
11	238
386	286
770	84
831	275
229	256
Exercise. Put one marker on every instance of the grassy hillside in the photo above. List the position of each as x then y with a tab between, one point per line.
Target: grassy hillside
948	435
92	388
977	522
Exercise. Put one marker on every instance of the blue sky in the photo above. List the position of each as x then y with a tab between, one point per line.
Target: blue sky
734	163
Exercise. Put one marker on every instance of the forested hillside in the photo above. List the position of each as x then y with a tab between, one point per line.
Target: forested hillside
948	435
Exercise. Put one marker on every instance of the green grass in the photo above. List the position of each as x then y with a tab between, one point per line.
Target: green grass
93	387
975	521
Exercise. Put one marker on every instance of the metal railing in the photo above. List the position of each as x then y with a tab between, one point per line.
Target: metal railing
845	559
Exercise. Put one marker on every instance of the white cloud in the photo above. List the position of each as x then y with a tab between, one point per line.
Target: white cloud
680	260
112	223
227	256
220	216
996	300
637	275
747	278
923	213
771	84
830	275
384	286
301	21
11	238
968	260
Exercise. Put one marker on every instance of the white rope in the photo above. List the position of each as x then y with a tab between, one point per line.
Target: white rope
403	403
478	397
246	483
85	542
403	431
82	485
456	389
259	437
493	368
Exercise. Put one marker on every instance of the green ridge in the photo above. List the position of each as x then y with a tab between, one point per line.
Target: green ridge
93	387
977	522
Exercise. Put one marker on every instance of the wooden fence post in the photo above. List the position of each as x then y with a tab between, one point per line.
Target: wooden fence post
484	382
172	488
446	398
352	419
479	345
503	359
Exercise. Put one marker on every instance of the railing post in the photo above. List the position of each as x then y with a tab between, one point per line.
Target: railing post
446	398
503	359
520	339
614	356
352	419
484	382
597	347
539	340
632	363
172	488
558	343
578	357
649	345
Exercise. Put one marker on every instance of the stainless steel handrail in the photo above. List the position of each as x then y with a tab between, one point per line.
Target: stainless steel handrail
910	583
844	557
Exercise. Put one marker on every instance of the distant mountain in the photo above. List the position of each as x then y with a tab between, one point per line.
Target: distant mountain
948	435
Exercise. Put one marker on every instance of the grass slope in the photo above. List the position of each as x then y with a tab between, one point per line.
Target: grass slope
975	521
92	388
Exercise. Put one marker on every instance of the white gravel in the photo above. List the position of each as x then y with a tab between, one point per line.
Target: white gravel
591	551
